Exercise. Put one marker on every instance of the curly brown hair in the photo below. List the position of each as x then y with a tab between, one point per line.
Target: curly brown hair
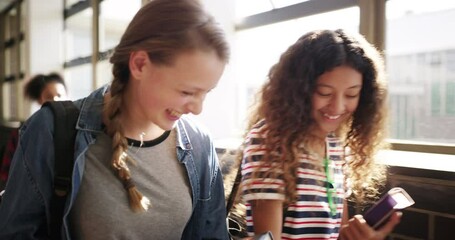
164	29
285	103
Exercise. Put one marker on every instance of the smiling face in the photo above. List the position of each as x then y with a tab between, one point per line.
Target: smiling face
163	93
335	98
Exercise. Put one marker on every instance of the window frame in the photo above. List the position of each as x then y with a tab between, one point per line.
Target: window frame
13	24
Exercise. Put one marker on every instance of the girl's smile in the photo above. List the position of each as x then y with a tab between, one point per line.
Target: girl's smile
335	99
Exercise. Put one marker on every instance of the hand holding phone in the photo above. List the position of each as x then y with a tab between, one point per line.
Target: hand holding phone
395	199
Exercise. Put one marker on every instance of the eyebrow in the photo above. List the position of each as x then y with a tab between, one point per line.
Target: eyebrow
198	89
329	86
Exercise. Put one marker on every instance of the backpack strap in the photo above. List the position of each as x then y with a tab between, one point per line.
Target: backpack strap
65	118
234	190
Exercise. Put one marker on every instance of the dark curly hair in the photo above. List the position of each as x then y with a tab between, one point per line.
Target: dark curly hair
37	84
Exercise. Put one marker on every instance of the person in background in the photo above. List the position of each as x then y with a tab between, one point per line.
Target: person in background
40	88
312	139
143	170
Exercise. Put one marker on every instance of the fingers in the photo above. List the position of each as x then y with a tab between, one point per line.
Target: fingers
390	225
358	229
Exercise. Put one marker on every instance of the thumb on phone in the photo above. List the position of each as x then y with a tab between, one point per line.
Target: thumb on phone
394	219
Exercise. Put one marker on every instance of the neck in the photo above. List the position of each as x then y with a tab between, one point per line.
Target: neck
134	127
316	145
137	130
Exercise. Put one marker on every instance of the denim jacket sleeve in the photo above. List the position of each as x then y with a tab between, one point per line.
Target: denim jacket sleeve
25	205
216	227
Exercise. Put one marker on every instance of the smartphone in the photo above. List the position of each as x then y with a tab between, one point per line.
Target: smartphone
395	199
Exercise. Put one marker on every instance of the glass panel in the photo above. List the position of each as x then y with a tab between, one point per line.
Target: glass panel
420	69
114	18
23	58
23	16
7	61
435	99
79	81
270	41
7	105
285	3
450	101
79	35
12	22
104	71
69	3
250	7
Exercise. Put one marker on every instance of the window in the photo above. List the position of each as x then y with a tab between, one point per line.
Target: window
450	98
420	63
12	55
78	34
114	18
89	39
435	99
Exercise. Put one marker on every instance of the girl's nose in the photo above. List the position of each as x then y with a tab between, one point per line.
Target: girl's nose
337	105
195	106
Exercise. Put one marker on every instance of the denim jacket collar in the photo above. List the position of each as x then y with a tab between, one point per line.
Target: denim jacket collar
91	111
91	119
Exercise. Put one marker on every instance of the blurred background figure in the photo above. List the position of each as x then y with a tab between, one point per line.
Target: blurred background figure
40	89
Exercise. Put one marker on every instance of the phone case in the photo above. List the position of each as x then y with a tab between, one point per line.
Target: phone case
395	199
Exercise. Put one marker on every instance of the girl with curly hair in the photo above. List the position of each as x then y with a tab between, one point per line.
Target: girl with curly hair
312	139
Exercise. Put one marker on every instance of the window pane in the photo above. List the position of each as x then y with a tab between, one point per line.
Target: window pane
104	71
79	35
114	18
450	103
285	3
23	56
69	3
8	61
251	7
79	81
420	56
8	101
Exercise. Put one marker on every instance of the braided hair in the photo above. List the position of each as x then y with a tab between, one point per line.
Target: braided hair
163	29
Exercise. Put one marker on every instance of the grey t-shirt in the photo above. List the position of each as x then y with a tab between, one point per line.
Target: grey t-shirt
101	209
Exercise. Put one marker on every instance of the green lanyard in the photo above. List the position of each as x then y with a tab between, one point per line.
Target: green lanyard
331	190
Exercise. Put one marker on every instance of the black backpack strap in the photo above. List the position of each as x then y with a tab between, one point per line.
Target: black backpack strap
65	118
234	190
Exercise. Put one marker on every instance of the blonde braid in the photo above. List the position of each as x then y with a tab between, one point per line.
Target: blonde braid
137	201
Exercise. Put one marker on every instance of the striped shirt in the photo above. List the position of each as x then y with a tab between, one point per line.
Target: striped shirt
309	217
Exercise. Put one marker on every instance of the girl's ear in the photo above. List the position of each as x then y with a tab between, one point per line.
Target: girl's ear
137	62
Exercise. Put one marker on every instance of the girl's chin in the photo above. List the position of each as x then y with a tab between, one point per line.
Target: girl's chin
325	130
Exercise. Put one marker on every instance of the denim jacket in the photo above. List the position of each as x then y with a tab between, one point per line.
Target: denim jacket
25	210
